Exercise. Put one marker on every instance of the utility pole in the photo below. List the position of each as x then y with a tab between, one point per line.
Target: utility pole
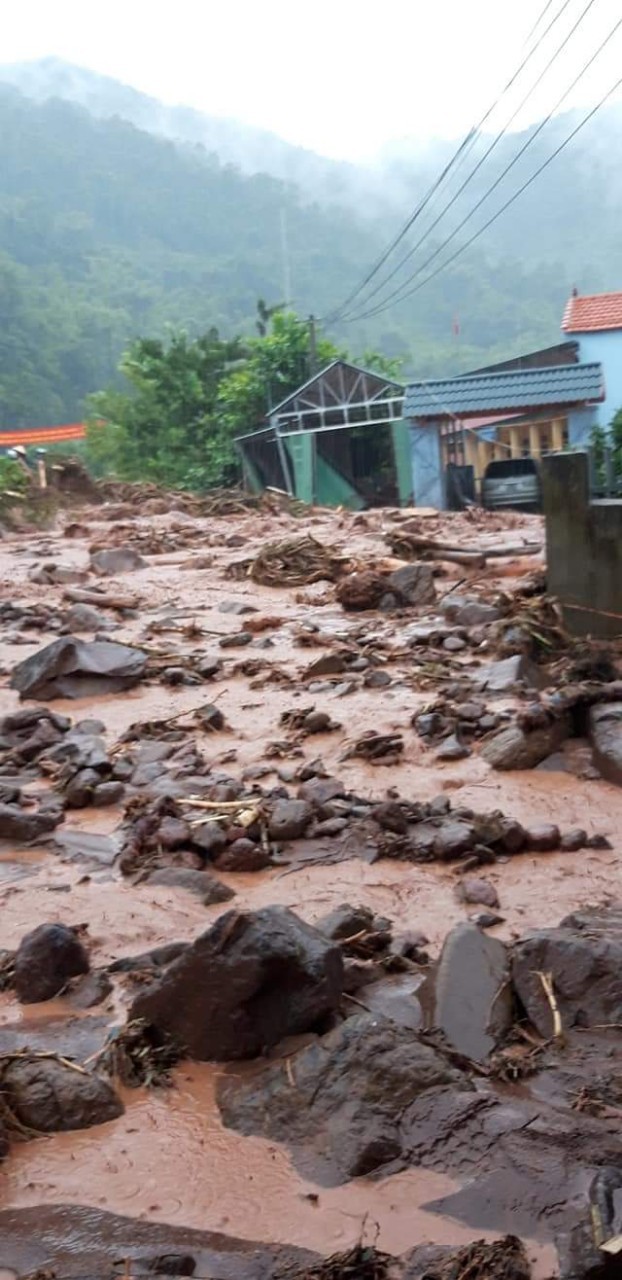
287	272
312	347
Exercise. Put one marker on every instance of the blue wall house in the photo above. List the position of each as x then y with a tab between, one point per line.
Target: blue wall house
595	323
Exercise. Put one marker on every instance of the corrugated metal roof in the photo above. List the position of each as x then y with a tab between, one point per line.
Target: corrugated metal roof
593	312
490	392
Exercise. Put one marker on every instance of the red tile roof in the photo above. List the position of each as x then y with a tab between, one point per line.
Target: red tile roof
593	312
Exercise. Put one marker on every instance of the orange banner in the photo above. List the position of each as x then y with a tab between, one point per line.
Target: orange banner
42	435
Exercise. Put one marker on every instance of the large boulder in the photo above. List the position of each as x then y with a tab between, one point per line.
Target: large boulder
45	961
469	996
504	676
583	958
339	1100
48	1096
245	984
413	584
70	668
25	825
606	735
517	748
113	560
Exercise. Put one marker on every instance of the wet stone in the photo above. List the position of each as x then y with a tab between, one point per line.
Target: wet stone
248	982
27	825
454	839
242	855
572	841
473	889
515	748
501	677
319	791
45	961
584	959
377	679
49	1097
472	1001
237	640
453	749
342	1114
209	837
289	819
206	887
413	584
606	736
116	560
173	833
454	644
70	668
543	837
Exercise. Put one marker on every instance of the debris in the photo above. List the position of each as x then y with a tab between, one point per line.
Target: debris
224	997
376	746
70	668
136	1055
295	562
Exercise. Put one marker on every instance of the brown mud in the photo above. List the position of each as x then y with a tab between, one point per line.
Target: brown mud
169	1159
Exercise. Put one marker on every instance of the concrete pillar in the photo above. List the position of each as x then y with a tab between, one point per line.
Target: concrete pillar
535	439
557	434
516	442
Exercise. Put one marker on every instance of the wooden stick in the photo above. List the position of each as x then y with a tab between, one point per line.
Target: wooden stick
547	982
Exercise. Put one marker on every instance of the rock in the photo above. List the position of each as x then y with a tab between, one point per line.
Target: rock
501	677
471	613
349	1091
26	825
362	590
245	984
606	735
454	839
80	789
485	919
330	827
574	840
45	961
236	607
470	711
543	837
157	958
476	890
471	995
454	644
414	583
107	793
116	560
81	751
207	887
584	958
377	679
209	837
49	1097
453	749
70	668
173	833
514	748
243	855
319	791
89	991
83	617
329	664
289	819
391	817
344	921
237	639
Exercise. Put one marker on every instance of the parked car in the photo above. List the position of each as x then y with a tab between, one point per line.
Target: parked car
513	483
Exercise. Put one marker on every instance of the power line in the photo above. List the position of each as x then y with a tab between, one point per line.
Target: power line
450	203
538	21
466	143
462	248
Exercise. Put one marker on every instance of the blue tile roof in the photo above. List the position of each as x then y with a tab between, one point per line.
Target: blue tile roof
488	392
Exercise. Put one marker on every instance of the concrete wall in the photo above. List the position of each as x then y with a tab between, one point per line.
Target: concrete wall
428	483
584	548
580	425
607	348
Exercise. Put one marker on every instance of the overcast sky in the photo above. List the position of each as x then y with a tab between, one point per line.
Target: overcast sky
342	77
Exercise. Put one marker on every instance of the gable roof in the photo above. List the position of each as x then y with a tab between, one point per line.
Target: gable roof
339	379
593	312
476	394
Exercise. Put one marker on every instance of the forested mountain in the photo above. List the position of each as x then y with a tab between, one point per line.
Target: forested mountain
108	232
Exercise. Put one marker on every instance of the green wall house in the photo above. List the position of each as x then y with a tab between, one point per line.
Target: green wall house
339	440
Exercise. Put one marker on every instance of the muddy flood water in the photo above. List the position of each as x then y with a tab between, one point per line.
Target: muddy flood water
169	1157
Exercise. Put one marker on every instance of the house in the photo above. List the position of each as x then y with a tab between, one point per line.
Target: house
535	404
338	440
595	323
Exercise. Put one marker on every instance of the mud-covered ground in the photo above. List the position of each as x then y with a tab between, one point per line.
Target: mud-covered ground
169	1158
